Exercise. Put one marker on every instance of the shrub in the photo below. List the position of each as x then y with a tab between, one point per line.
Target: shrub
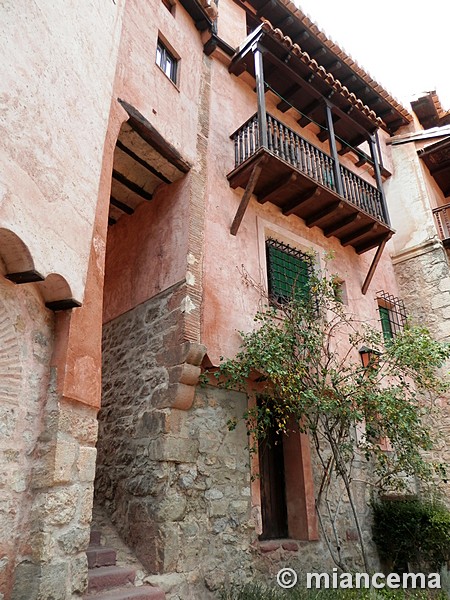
412	531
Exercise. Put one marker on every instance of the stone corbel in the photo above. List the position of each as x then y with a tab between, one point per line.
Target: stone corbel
182	376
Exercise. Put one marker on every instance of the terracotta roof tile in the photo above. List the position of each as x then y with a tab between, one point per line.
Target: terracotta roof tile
321	71
346	58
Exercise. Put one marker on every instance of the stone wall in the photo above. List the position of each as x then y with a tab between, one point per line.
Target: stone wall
26	331
177	483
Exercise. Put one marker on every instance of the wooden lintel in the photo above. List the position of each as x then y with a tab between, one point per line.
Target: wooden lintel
340	225
325	212
121	205
149	134
276	187
359	233
253	180
131	185
142	162
373	266
290	207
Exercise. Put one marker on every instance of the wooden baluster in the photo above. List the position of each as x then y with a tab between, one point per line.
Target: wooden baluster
246	142
446	223
236	151
269	133
281	127
241	154
303	166
287	150
292	148
321	167
250	136
297	152
256	133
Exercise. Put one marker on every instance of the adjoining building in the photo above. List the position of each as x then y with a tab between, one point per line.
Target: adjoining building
155	158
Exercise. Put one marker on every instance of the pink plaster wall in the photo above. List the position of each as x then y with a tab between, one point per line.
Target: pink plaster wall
57	75
146	252
172	109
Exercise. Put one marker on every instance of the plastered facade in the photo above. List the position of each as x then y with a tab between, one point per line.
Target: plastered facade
167	287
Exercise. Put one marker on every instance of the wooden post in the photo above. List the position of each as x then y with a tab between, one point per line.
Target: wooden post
333	149
259	76
376	166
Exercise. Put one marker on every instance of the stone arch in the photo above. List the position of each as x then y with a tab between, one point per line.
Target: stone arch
57	292
15	255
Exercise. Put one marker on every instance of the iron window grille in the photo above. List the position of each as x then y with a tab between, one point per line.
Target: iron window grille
166	61
392	314
289	272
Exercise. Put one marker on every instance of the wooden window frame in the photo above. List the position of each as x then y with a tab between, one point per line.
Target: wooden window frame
167	61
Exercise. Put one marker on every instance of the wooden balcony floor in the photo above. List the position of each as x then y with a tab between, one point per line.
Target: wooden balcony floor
296	193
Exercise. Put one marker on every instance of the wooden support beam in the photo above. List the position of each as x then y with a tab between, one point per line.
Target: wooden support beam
344	149
65	304
31	276
340	225
373	266
358	234
142	162
278	185
362	161
372	243
253	180
112	221
325	212
308	110
289	208
121	206
266	6
133	187
285	22
285	105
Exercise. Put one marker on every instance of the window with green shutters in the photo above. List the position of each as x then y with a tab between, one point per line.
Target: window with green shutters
289	272
392	315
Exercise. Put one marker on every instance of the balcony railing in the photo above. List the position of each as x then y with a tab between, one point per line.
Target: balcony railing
442	218
289	146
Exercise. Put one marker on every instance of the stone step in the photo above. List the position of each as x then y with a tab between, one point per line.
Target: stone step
100	556
129	593
104	578
95	539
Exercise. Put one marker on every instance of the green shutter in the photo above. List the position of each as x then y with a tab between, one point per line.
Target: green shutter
385	323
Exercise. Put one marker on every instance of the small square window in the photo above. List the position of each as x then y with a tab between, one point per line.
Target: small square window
289	272
166	61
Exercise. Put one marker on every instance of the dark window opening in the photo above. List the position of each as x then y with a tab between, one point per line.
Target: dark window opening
392	315
166	61
289	272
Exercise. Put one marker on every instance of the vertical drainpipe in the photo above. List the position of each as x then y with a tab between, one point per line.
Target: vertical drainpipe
259	76
376	166
333	149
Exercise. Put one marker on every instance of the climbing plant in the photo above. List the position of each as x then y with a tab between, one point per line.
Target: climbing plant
302	360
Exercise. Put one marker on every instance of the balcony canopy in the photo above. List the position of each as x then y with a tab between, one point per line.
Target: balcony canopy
301	83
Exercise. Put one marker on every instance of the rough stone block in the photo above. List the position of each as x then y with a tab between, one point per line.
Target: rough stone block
86	464
65	457
173	449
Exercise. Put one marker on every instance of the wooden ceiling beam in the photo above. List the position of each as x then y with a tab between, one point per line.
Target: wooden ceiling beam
278	185
142	162
132	186
285	105
121	206
289	208
341	225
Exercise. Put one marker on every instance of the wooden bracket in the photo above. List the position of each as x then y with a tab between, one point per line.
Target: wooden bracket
253	180
373	266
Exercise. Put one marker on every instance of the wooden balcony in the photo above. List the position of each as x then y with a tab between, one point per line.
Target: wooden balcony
300	179
442	219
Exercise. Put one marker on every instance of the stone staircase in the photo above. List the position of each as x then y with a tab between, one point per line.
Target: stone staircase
107	581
